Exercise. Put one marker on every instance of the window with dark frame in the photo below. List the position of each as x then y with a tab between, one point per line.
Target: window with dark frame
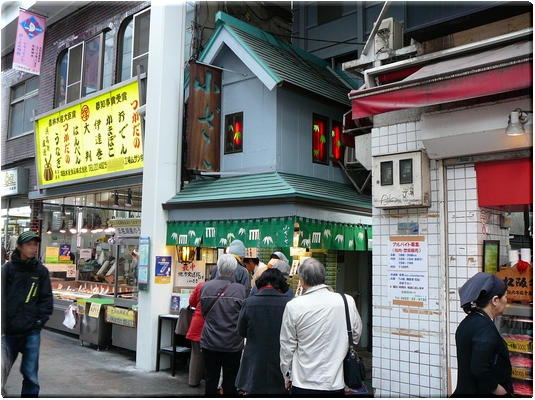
405	171
87	67
336	139
387	173
320	144
234	133
24	97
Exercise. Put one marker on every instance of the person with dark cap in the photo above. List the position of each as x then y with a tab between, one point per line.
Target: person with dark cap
484	368
237	249
285	269
27	303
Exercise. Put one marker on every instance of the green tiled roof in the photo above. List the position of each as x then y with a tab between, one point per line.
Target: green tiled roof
271	185
284	62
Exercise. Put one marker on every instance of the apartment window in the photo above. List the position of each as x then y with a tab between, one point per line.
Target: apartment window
23	102
134	45
336	141
85	68
320	145
234	133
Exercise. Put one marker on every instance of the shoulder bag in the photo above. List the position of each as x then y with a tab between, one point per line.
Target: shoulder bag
354	368
184	320
205	314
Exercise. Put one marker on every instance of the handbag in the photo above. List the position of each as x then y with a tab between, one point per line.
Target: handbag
354	368
184	320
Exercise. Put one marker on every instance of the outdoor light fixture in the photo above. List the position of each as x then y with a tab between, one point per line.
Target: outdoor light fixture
84	228
128	202
186	254
63	229
517	119
116	199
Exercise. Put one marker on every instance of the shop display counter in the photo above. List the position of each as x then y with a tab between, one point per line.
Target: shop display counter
62	300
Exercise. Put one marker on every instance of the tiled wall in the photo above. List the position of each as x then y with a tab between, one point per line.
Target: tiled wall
413	348
408	345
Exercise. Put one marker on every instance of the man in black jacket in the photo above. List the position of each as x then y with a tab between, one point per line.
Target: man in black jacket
27	302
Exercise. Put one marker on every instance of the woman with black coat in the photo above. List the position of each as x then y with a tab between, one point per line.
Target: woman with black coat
484	368
260	322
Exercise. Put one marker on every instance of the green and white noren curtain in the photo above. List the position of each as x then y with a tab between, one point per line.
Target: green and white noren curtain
269	233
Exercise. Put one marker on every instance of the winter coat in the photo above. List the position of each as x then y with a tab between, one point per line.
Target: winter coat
220	322
482	357
260	322
27	300
197	321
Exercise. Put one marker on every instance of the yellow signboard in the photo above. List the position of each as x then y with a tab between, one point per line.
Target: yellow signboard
95	137
121	316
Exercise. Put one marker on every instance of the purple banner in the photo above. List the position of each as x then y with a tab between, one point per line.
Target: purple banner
29	43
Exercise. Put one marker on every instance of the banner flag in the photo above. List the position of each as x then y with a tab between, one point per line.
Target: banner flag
28	52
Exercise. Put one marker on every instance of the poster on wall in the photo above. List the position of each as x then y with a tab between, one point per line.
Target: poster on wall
162	275
190	274
408	271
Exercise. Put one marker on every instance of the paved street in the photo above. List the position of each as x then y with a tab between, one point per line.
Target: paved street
68	369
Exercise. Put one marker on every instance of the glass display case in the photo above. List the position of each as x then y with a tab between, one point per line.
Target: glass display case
516	327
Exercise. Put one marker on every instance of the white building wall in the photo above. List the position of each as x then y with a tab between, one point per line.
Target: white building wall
414	353
408	347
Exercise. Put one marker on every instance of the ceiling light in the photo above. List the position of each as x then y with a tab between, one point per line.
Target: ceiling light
116	199
49	229
73	229
128	202
63	229
84	228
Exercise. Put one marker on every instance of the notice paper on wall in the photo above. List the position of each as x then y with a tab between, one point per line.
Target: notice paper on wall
408	271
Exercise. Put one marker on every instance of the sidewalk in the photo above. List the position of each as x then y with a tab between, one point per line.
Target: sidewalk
67	369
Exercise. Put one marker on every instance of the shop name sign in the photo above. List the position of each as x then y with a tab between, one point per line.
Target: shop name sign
14	182
120	316
98	136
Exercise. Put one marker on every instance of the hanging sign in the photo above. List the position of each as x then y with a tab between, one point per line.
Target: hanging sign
190	274
94	309
28	52
98	136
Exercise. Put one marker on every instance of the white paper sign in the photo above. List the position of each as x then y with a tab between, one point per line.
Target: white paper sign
190	274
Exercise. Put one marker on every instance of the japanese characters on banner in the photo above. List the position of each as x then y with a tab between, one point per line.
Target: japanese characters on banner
28	52
190	274
408	271
95	137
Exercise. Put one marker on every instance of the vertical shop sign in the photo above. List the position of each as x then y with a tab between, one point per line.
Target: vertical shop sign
97	136
28	52
162	274
408	271
204	118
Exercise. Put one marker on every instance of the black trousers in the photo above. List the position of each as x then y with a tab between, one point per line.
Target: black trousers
213	362
331	393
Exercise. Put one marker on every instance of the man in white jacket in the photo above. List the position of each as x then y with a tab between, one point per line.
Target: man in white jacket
313	340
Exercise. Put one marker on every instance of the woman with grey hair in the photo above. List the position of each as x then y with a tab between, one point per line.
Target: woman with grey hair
221	302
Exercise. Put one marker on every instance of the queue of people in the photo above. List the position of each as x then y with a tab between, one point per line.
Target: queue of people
258	339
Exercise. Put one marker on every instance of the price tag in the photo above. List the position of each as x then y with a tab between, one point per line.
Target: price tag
519	373
94	310
519	347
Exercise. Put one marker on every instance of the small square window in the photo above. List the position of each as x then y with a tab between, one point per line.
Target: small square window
234	133
405	171
320	144
387	173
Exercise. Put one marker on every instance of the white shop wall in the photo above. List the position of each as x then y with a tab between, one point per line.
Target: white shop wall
408	343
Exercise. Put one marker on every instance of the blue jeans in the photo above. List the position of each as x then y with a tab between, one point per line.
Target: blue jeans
28	346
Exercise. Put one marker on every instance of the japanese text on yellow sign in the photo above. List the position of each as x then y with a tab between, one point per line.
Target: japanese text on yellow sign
95	137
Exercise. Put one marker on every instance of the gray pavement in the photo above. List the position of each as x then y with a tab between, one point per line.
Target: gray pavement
68	369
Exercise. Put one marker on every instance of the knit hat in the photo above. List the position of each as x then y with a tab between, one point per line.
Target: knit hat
283	267
280	255
25	237
482	287
237	248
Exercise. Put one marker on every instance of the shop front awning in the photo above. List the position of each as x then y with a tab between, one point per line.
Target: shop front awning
487	73
269	233
505	184
262	209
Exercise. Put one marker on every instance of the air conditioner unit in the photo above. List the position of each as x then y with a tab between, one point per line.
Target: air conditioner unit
389	36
